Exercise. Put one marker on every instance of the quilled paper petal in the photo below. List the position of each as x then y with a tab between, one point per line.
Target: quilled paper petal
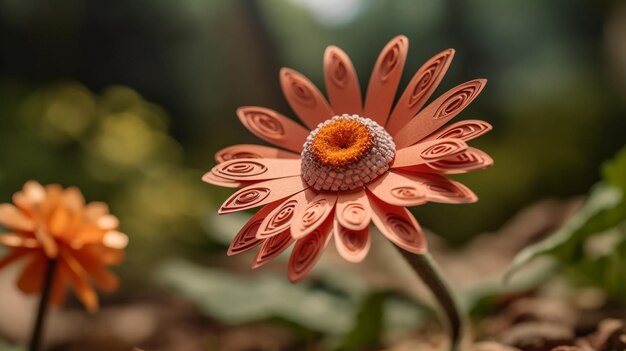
280	218
419	89
441	189
352	245
262	193
384	80
399	226
252	151
211	178
342	83
246	238
398	190
465	130
313	214
470	160
304	98
429	151
273	127
272	247
438	113
353	210
250	170
308	250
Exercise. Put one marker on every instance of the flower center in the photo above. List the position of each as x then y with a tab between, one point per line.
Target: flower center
346	152
341	142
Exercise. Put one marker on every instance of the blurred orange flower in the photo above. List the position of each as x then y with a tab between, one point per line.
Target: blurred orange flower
55	223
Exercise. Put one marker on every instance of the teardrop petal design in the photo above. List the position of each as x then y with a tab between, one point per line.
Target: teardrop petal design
353	210
249	170
272	247
280	218
304	98
246	238
438	113
465	130
399	226
384	80
398	190
313	214
273	127
262	193
429	151
308	250
441	189
419	89
252	151
342	83
352	245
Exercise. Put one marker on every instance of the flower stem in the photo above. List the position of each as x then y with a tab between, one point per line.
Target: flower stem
42	311
429	272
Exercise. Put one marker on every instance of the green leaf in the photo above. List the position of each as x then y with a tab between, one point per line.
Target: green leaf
241	299
369	325
602	210
614	171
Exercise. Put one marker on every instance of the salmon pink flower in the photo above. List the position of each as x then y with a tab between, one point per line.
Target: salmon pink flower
54	224
352	163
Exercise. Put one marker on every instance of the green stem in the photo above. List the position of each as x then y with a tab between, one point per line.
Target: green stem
42	311
429	272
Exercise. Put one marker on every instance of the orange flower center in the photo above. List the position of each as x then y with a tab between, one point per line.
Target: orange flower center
341	142
346	152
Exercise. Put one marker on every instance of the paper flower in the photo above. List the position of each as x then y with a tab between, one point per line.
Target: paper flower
354	163
54	223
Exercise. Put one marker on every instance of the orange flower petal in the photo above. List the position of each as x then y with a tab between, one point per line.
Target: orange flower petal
438	113
96	271
30	279
313	214
384	80
251	170
468	161
272	247
398	190
262	193
94	210
352	245
59	221
79	279
441	189
50	246
429	151
353	210
280	218
307	251
342	83
252	151
246	238
466	130
398	225
57	296
304	98
14	240
419	89
273	127
13	218
211	178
